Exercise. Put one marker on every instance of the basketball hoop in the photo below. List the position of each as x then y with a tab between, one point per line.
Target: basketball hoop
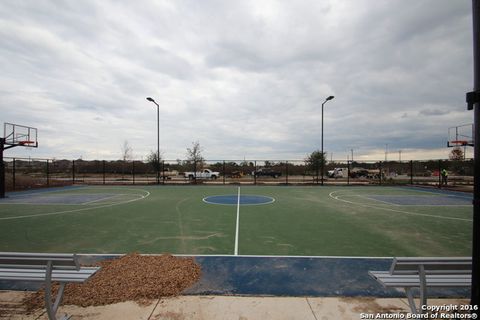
25	142
15	135
461	136
459	142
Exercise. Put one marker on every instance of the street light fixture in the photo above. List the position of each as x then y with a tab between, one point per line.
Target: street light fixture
158	138
323	156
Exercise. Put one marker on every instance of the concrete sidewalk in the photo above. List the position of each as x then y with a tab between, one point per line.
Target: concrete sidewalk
225	307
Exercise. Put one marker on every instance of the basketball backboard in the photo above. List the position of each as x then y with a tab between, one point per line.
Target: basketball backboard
18	135
461	135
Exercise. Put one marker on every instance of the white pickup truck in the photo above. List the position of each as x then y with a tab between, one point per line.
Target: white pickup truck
204	174
338	173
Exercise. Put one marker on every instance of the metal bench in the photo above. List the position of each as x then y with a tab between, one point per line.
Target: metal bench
44	267
422	273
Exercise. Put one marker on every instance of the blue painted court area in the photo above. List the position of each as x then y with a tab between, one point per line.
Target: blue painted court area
234	199
282	276
45	198
423	200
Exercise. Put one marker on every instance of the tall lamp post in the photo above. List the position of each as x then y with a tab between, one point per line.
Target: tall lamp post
323	156
158	138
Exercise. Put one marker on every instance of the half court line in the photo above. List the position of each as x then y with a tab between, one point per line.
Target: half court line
238	221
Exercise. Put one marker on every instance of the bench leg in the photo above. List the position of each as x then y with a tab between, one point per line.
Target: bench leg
52	308
59	297
48	292
411	301
423	286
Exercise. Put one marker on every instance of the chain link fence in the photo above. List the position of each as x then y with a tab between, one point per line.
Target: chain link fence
26	173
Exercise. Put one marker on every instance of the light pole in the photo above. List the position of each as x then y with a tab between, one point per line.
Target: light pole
323	156
158	138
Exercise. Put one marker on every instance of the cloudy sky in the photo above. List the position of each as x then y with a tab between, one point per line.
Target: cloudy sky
244	78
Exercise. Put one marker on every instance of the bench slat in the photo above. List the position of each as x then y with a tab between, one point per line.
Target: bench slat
405	265
388	280
33	260
39	275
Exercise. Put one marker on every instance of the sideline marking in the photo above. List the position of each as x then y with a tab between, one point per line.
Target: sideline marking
233	256
82	209
394	210
238	220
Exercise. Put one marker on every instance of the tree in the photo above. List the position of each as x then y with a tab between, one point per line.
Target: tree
152	159
194	155
126	151
314	160
456	154
126	155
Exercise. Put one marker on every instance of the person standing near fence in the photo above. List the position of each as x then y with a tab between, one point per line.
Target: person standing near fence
444	174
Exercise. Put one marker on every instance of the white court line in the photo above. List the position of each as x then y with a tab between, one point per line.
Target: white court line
331	195
456	194
414	205
233	256
238	222
385	202
82	209
40	204
101	199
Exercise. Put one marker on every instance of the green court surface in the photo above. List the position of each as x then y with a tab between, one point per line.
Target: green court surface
299	221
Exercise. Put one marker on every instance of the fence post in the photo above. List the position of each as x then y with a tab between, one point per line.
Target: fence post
48	174
194	171
380	172
440	173
348	172
14	174
286	170
133	171
163	172
103	169
223	173
411	171
255	174
73	171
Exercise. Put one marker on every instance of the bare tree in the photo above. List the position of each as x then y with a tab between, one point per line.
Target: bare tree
194	155
152	159
126	155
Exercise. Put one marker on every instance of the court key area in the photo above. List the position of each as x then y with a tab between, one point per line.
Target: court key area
247	221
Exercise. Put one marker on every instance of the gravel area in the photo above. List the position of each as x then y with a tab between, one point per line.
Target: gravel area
132	277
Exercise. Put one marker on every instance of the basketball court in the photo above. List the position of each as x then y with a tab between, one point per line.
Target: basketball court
232	220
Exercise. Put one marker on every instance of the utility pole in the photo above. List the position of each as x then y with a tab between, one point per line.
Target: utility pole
323	154
158	138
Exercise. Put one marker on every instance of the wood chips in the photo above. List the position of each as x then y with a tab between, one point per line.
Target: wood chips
132	277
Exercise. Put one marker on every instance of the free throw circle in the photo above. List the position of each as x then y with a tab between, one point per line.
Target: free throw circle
232	199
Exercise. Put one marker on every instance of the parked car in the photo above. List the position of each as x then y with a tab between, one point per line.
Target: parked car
266	172
204	174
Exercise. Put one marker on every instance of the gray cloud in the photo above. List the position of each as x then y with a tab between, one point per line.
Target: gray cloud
433	112
246	79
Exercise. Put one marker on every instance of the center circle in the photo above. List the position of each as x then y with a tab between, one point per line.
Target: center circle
232	199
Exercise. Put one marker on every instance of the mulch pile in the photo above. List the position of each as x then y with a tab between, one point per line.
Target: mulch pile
132	277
